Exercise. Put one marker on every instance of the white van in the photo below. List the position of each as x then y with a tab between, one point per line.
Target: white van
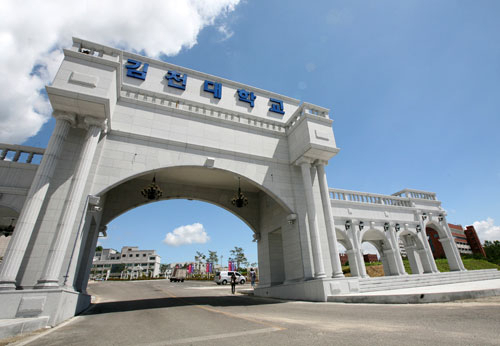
224	277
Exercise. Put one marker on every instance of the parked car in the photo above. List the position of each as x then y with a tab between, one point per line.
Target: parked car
224	277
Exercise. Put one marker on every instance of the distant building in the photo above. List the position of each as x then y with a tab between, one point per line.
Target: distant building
457	231
467	241
343	259
370	258
130	262
473	240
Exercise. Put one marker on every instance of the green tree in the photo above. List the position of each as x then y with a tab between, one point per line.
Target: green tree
238	256
492	249
200	258
213	258
99	248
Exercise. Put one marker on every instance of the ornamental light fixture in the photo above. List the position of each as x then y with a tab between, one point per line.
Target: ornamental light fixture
361	225
419	228
7	231
397	227
386	226
424	216
347	225
152	192
239	200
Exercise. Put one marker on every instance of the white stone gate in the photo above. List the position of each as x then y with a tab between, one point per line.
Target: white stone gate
123	120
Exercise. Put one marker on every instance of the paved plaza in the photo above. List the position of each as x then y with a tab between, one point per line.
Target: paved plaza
202	313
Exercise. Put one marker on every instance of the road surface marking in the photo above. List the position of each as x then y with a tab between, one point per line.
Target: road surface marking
217	336
223	312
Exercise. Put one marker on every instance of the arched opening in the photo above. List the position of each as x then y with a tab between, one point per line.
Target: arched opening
435	244
184	233
347	254
264	214
8	219
414	251
443	246
375	240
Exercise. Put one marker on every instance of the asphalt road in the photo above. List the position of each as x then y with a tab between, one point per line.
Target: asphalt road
202	313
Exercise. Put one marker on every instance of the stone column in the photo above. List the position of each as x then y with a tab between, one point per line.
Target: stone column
414	259
52	269
81	285
428	250
397	253
330	223
358	251
454	262
453	246
319	268
424	260
34	201
353	263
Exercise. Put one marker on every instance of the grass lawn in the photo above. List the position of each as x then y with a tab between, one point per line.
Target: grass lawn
469	264
376	269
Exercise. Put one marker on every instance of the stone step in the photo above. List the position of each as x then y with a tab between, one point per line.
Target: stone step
410	284
18	326
442	276
427	278
408	281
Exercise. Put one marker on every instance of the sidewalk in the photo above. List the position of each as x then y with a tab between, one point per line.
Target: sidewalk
425	294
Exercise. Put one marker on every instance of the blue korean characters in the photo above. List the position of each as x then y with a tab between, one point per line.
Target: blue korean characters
178	80
246	96
214	88
133	69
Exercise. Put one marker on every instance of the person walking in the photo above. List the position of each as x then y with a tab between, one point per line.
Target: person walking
233	283
253	276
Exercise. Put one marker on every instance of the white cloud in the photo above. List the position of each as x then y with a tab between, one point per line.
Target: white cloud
486	229
188	234
226	32
33	33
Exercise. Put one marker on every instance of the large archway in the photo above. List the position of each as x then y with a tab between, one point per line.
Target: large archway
180	232
215	186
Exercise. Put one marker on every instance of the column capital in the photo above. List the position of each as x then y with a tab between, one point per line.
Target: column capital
89	121
320	162
304	160
69	117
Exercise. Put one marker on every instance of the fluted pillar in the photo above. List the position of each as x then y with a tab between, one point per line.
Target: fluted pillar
50	276
34	201
330	223
319	268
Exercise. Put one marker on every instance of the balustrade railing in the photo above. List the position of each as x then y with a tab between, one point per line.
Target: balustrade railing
307	108
20	153
371	198
409	193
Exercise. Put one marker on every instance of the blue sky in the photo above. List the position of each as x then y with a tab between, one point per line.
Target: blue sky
413	88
